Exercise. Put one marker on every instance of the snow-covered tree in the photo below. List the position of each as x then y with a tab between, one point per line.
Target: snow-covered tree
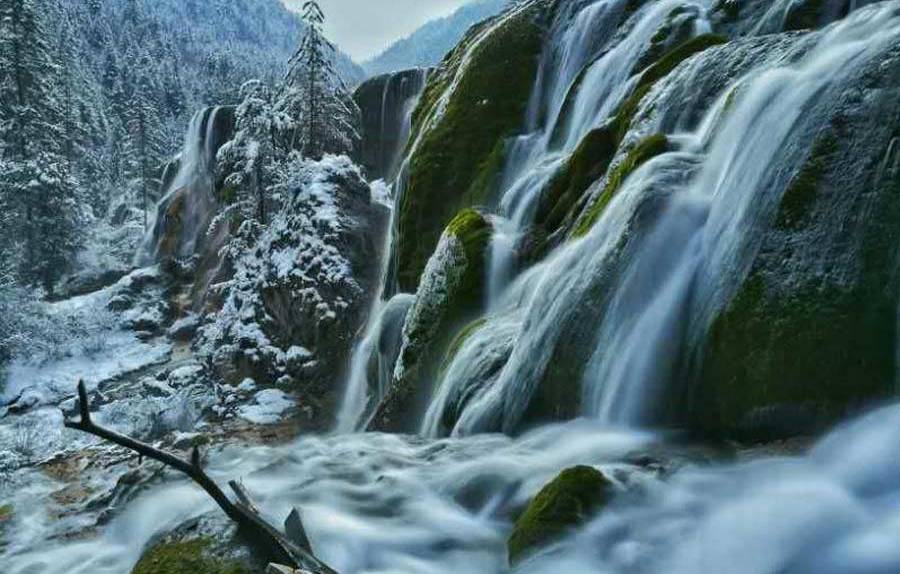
147	143
36	183
314	95
249	159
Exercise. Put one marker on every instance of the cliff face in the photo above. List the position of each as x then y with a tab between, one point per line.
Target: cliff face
386	103
692	213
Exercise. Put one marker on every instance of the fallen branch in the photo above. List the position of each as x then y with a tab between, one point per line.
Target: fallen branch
266	538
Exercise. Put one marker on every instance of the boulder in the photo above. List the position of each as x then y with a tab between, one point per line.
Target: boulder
451	294
570	500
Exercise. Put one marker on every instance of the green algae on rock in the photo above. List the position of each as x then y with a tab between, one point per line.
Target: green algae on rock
475	101
189	557
568	501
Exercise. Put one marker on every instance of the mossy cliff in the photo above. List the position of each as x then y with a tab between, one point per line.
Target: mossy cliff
475	100
571	499
595	153
450	295
810	336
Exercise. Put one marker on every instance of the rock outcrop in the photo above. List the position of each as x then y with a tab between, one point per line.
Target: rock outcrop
568	501
386	103
301	287
452	293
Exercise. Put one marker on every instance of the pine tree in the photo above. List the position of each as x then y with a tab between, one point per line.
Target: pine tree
313	94
147	142
35	182
248	159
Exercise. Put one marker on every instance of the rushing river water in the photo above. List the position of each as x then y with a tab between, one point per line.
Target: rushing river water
377	503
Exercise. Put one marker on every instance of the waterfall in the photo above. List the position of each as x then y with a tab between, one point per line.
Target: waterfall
373	358
577	91
718	184
401	94
190	193
387	103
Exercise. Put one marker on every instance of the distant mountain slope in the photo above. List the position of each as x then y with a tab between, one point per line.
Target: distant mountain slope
427	45
155	63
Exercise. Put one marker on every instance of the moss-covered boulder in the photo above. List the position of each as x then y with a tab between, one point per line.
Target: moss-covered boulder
451	294
808	334
587	164
471	105
572	498
644	151
188	557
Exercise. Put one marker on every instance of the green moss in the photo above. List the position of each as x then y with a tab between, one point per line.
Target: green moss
644	151
569	500
822	347
487	175
185	558
459	154
6	512
587	164
801	193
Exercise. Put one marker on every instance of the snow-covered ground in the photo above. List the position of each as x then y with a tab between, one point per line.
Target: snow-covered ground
88	342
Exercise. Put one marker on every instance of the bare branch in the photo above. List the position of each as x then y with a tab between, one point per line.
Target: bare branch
262	535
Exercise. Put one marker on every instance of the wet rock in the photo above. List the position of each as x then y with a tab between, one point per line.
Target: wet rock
451	293
568	501
385	103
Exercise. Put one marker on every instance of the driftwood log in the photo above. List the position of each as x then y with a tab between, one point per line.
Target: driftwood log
259	534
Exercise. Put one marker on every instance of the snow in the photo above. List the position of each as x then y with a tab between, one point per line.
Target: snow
54	380
268	407
81	340
247	386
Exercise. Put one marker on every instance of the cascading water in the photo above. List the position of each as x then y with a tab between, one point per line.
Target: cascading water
577	91
189	201
372	361
610	316
706	228
674	270
379	503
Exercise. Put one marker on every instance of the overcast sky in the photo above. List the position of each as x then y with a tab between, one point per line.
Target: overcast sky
363	28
